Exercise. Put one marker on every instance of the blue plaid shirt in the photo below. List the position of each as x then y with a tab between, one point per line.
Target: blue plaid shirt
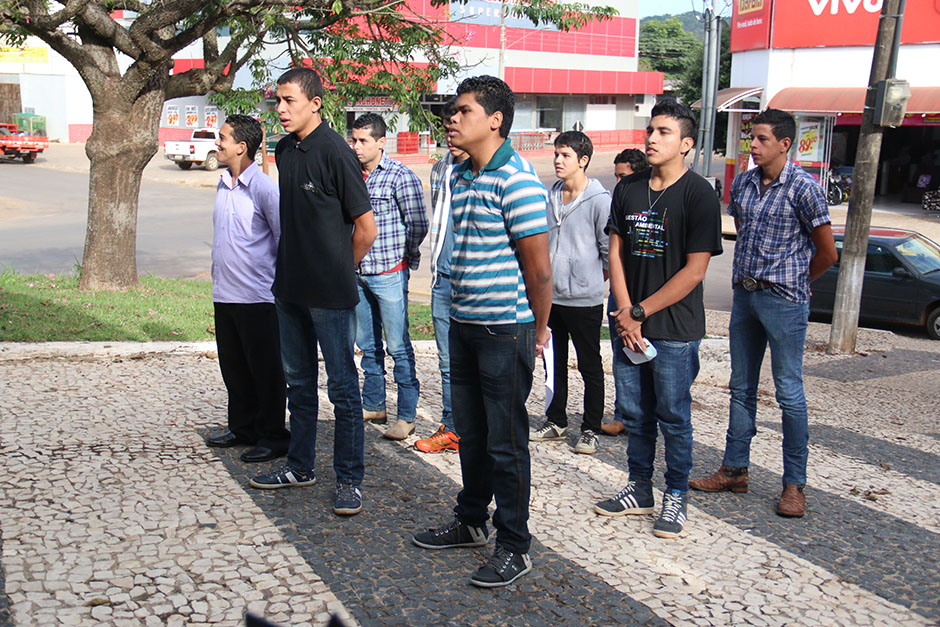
774	243
400	216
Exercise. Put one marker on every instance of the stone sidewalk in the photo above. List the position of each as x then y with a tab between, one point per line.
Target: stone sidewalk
112	511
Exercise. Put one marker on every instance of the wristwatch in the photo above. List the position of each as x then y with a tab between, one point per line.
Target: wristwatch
638	314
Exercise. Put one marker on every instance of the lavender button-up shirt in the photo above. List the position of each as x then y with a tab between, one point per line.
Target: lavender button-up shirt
247	228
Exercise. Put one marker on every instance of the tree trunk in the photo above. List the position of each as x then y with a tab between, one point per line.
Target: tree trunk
124	139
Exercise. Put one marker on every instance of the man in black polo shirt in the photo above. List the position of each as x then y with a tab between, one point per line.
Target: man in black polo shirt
323	197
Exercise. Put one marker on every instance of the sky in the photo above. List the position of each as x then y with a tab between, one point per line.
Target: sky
674	7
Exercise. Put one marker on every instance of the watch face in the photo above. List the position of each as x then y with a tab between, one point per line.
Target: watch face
638	313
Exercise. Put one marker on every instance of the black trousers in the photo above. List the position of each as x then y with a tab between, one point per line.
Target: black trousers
583	325
250	360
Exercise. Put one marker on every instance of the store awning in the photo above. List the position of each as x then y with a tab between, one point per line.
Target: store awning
731	96
924	100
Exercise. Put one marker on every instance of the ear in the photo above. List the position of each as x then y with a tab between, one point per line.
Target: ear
786	142
584	161
686	145
381	142
241	148
496	121
317	104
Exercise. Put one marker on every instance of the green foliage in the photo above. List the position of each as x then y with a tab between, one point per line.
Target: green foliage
689	87
691	22
665	47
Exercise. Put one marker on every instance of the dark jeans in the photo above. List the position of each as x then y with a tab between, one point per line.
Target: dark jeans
658	393
490	379
583	325
302	328
246	335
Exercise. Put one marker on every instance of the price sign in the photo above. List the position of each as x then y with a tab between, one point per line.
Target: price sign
192	116
172	115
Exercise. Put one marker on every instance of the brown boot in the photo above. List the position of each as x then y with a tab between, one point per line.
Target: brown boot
726	479
792	502
614	427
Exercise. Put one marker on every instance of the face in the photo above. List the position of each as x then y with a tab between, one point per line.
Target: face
227	149
368	149
297	113
567	163
622	170
471	126
664	141
765	147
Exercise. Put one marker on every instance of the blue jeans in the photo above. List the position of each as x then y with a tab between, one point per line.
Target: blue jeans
658	393
491	377
616	346
383	304
440	314
302	328
759	318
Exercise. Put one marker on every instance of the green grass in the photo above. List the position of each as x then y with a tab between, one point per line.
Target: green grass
50	308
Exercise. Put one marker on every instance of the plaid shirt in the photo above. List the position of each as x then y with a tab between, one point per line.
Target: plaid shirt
774	243
400	216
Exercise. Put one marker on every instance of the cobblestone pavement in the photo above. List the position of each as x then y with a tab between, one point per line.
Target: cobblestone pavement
112	510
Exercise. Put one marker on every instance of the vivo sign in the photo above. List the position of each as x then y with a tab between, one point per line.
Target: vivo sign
848	6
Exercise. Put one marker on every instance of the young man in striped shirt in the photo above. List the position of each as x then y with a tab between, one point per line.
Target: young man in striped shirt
502	293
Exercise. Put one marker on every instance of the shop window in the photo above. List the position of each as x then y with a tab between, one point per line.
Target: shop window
550	110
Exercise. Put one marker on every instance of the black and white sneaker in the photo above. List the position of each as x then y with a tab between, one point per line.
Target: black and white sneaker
635	498
673	515
283	478
451	536
503	568
548	432
586	444
348	500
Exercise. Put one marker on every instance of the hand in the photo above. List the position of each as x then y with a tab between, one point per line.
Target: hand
625	322
634	341
542	336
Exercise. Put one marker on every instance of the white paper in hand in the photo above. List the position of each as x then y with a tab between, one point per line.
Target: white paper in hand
548	357
640	358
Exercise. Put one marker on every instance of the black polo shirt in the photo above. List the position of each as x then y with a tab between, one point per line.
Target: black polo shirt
321	192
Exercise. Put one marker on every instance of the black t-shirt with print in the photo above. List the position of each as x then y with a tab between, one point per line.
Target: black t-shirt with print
684	218
321	192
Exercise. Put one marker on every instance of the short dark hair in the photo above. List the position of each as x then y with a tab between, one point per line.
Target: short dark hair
578	142
493	95
780	122
672	108
246	129
306	78
372	121
635	158
448	110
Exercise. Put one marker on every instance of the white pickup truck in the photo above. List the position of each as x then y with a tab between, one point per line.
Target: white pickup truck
199	150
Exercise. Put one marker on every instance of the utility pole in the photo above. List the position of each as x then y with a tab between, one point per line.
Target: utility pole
852	266
707	94
501	72
715	61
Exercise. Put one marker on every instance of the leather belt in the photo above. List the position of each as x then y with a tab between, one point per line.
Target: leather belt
752	285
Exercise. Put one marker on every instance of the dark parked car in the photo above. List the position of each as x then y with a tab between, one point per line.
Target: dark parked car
902	280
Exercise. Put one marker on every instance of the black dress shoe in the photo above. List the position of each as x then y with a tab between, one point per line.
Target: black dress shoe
226	440
261	454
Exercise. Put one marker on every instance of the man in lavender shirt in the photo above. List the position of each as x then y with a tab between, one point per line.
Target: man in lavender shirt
244	252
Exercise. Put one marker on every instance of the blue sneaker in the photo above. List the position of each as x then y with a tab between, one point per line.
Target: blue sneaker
348	500
673	515
635	498
284	477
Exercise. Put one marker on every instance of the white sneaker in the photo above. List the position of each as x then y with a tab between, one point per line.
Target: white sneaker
547	432
587	443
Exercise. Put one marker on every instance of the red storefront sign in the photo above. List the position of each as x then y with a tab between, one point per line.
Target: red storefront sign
750	25
820	23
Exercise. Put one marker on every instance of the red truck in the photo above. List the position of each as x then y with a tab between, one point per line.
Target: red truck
14	145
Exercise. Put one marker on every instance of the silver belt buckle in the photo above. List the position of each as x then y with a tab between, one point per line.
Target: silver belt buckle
749	283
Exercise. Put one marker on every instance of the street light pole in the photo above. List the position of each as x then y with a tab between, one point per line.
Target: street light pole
501	71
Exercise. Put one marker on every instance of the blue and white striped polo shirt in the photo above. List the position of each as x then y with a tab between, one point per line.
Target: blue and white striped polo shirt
503	203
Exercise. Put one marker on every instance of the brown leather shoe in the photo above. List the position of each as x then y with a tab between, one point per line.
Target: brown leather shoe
614	427
792	502
727	479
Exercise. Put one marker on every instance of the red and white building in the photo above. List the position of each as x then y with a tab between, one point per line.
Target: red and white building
813	58
562	80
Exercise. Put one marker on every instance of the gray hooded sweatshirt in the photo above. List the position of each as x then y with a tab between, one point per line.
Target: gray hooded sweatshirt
578	245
